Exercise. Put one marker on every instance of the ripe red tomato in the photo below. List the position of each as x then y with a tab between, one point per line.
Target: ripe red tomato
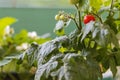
88	18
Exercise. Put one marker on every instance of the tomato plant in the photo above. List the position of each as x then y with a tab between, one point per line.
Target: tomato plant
88	51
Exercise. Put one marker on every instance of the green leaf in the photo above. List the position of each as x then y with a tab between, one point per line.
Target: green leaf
47	67
105	35
95	32
74	39
74	67
117	22
32	53
111	22
106	2
94	69
59	28
4	22
50	47
60	32
89	52
46	49
5	61
89	27
21	37
103	58
82	2
59	25
117	4
117	58
17	56
113	66
96	2
60	73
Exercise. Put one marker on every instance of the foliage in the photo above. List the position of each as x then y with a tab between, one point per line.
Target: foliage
12	45
87	52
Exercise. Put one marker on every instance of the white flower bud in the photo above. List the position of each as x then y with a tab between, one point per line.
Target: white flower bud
32	35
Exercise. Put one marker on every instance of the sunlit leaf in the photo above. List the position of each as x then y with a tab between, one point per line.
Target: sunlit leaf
21	37
5	61
106	2
4	22
94	34
88	28
59	28
96	4
47	67
50	47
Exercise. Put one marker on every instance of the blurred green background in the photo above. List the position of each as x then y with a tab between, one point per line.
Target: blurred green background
34	19
34	15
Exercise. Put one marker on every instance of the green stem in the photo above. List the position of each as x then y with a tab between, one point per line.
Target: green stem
80	24
98	17
79	16
89	44
75	23
95	45
111	7
1	69
119	13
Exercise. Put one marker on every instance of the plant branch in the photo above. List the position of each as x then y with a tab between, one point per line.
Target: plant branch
95	45
1	69
111	7
75	23
89	44
98	17
79	16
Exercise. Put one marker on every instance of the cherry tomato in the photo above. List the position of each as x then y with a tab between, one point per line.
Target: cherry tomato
62	17
57	17
88	18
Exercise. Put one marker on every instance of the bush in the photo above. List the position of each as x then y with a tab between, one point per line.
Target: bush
12	45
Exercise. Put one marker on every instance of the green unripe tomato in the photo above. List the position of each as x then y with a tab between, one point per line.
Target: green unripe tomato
73	1
62	17
57	17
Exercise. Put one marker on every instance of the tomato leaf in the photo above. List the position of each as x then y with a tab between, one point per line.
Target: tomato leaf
59	28
5	61
96	2
113	66
89	27
47	67
4	22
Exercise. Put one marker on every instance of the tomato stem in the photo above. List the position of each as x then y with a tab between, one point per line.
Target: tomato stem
79	16
98	17
111	7
76	23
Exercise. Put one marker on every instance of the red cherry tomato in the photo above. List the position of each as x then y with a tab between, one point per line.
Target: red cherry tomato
88	18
